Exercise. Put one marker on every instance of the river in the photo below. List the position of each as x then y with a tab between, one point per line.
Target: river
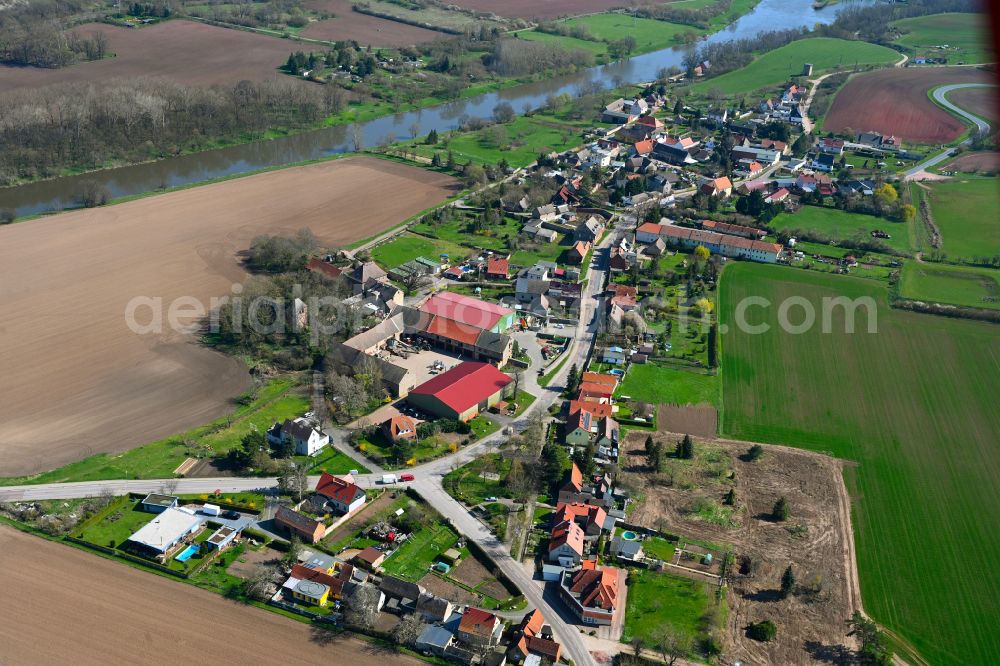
59	193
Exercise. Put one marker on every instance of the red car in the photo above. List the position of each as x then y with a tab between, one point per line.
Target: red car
406	477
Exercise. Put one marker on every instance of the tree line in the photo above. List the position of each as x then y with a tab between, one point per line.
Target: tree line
45	131
35	34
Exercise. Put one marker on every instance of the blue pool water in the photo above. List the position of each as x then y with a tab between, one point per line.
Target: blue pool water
187	553
629	535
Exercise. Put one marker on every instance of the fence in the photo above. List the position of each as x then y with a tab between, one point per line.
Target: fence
126	556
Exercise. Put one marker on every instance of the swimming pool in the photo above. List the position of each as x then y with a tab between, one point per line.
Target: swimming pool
629	535
187	553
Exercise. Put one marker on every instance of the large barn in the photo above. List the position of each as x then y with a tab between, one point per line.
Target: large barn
462	392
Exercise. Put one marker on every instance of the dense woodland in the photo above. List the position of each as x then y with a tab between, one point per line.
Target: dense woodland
45	131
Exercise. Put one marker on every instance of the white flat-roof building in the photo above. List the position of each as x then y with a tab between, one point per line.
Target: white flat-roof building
166	530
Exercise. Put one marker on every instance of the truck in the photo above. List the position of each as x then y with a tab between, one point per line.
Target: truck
388	478
211	510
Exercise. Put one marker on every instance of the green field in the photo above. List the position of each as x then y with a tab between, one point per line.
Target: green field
967	212
650	35
966	36
564	41
838	225
775	67
413	559
407	246
955	285
656	600
915	405
519	141
658	384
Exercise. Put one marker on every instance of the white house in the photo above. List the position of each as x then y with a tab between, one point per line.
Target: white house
308	440
566	545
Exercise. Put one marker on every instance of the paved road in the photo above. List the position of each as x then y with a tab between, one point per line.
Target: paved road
428	476
940	96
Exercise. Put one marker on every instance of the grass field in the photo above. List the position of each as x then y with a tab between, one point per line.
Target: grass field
966	36
412	560
839	225
915	406
409	246
956	285
968	214
656	600
657	384
775	67
519	142
649	34
565	41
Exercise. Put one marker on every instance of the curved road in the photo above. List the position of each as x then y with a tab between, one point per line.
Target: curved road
429	476
940	96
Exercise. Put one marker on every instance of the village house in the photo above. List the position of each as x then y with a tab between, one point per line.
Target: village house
370	558
308	440
722	187
591	518
479	629
566	544
733	229
590	230
533	637
498	268
578	252
299	525
591	593
339	494
831	146
399	427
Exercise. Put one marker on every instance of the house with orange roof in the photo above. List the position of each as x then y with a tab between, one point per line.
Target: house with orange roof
399	427
479	629
578	252
722	187
340	494
579	427
592	594
591	518
604	379
498	268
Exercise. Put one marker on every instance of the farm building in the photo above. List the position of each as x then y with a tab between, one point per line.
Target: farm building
462	392
300	525
469	311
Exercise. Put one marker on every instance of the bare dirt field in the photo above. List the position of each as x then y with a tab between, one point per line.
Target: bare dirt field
982	102
895	101
183	51
245	565
695	420
110	613
973	162
77	379
816	540
540	9
364	28
449	590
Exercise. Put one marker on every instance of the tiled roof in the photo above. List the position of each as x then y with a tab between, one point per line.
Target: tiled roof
478	622
465	309
338	489
454	330
567	533
597	589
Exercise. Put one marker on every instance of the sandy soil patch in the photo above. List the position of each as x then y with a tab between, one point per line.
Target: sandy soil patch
810	628
109	613
77	380
540	9
184	51
895	101
364	28
245	565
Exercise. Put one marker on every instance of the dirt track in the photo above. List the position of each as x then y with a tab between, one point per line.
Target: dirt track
77	380
184	51
364	28
65	606
809	631
895	101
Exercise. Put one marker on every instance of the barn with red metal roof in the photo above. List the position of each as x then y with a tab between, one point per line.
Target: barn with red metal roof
462	392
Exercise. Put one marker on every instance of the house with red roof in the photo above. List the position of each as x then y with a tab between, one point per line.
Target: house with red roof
340	494
566	543
579	426
324	268
479	629
591	518
608	381
722	187
498	268
592	594
469	311
462	392
643	148
778	196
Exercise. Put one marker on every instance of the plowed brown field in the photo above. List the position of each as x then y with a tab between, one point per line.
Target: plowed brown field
895	101
77	380
109	613
184	51
541	9
364	28
982	102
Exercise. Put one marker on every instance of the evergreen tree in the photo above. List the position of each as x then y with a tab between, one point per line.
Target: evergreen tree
685	448
432	137
451	161
649	444
780	511
573	379
755	453
678	107
787	582
730	499
713	346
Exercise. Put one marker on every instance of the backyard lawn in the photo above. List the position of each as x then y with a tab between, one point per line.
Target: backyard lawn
775	67
658	600
839	225
915	405
116	526
662	385
414	558
469	483
408	246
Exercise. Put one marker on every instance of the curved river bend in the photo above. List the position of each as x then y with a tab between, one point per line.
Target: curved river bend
59	193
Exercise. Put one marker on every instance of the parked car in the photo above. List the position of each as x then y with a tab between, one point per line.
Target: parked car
406	477
231	515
